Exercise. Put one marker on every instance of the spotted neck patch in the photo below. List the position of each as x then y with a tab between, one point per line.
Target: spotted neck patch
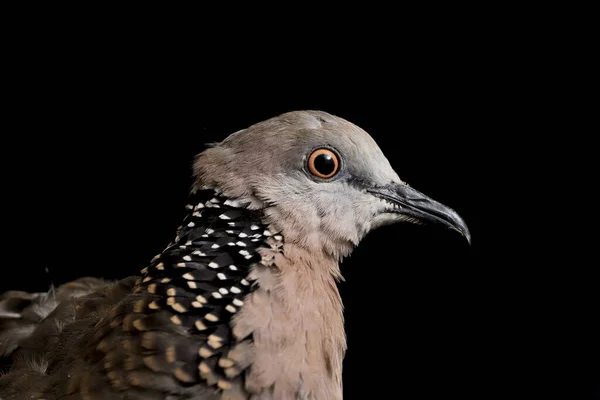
199	282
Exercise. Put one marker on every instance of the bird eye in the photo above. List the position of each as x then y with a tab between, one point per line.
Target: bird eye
323	163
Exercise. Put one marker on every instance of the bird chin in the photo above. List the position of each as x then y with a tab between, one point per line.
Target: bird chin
391	217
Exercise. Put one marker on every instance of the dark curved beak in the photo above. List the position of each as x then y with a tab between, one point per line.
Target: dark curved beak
412	203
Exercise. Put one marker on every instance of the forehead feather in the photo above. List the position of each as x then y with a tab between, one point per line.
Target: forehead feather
301	131
282	143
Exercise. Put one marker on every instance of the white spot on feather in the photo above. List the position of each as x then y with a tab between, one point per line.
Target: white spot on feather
211	317
153	306
199	325
238	302
201	299
232	203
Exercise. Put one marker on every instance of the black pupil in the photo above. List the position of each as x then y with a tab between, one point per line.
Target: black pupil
325	164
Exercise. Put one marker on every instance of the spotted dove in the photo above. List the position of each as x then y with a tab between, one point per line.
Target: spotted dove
243	303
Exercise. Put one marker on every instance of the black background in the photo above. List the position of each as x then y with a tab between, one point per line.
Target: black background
97	170
102	114
107	178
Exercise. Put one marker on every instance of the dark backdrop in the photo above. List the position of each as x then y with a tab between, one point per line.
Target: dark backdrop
101	119
97	171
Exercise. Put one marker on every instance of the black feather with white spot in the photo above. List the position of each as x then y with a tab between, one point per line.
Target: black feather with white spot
201	280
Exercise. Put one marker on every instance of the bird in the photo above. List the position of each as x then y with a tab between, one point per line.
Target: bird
243	303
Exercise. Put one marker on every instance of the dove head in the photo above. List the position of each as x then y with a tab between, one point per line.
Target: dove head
320	180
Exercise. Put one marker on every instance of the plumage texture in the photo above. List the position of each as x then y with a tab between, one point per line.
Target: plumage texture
243	303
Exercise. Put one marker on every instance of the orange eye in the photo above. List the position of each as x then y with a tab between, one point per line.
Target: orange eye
323	163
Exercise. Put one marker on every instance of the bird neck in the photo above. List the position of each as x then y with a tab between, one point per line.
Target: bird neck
207	264
295	316
274	305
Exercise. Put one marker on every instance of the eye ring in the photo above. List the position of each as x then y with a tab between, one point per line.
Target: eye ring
323	163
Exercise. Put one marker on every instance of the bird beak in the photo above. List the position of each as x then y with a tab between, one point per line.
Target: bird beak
412	203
